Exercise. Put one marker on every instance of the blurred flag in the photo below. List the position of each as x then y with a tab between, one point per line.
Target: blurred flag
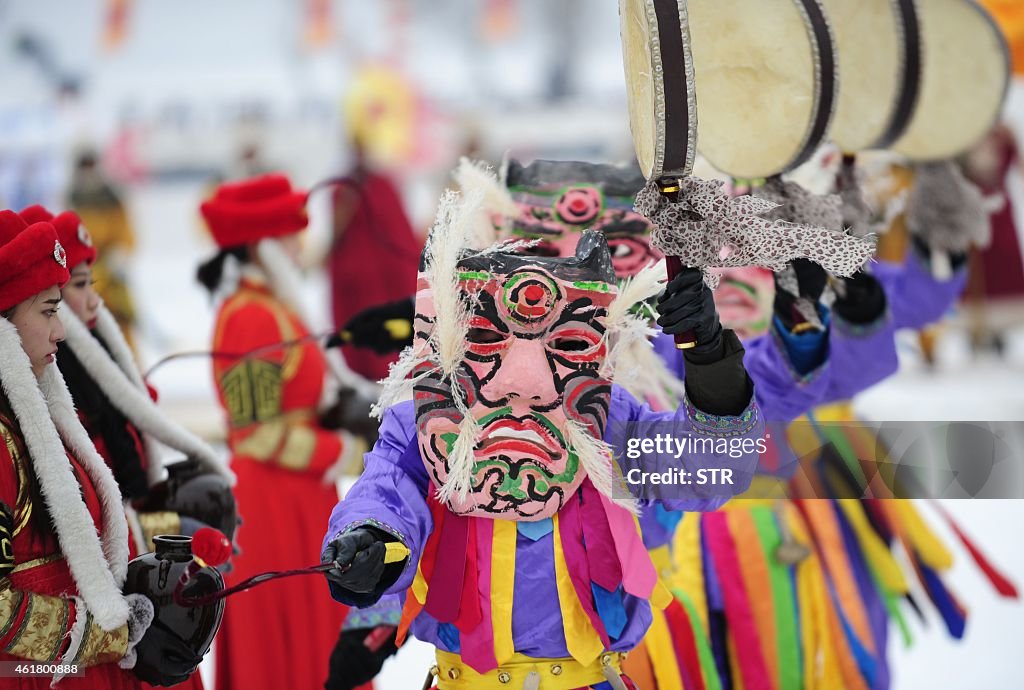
319	28
115	24
499	19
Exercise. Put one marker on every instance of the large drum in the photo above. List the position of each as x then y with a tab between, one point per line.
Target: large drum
752	84
966	72
878	48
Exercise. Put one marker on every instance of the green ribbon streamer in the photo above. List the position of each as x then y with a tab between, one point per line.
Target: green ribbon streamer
784	601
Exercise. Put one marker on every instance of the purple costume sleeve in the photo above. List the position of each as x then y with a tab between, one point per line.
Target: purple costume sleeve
782	394
391	493
916	298
862	355
689	421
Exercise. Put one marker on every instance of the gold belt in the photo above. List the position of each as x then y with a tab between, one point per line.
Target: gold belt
525	672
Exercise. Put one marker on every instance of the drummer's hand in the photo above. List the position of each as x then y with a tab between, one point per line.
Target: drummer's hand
689	305
811	281
359	559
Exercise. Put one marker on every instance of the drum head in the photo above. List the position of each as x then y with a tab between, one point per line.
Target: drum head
659	82
966	75
765	81
878	46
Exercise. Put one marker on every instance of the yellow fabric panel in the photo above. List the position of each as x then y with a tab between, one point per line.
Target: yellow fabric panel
503	576
821	670
932	551
688	573
877	552
662	653
454	674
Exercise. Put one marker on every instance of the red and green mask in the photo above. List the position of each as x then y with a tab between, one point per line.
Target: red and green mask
534	348
561	200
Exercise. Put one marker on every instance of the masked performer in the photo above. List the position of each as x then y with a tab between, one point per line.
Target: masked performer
280	450
63	533
494	483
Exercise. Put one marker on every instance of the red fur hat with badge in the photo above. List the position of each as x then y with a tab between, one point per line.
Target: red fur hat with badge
31	259
246	212
72	234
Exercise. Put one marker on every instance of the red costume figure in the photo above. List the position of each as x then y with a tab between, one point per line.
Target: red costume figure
371	233
63	535
113	402
279	636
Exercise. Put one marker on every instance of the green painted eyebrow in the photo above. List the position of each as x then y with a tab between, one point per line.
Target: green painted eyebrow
593	285
475	275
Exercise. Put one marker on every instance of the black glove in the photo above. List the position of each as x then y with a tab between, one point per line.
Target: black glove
351	412
358	657
164	658
862	299
383	329
688	305
359	559
6	537
811	281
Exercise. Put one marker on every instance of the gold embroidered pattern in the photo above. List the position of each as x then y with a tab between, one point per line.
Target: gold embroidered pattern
10	603
101	647
36	562
252	391
41	634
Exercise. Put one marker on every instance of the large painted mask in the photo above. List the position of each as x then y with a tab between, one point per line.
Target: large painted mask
531	368
559	200
744	300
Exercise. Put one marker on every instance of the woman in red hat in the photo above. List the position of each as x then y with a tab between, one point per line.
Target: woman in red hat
112	400
63	534
114	403
282	635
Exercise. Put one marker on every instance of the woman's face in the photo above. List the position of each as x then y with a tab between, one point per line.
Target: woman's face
39	328
80	296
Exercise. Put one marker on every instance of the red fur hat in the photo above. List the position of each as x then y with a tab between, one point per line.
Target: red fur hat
245	212
31	259
72	234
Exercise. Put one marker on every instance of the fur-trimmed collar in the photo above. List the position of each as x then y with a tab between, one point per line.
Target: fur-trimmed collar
50	429
118	377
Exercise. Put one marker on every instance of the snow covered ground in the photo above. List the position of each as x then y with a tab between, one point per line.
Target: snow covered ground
177	317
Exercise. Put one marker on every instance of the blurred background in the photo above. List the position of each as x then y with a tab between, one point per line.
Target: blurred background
135	109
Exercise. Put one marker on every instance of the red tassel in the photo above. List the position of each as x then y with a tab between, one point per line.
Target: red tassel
685	645
999	581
